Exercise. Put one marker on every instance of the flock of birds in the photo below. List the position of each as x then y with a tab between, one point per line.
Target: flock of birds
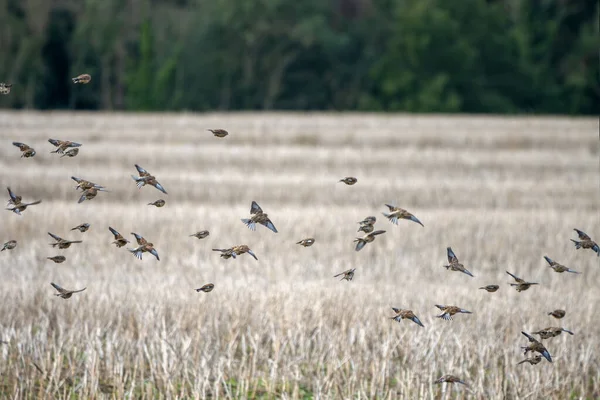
258	216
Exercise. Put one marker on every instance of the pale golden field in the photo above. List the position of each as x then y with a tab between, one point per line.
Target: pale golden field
502	192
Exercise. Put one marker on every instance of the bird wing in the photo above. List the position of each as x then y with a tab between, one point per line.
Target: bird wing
11	194
269	225
55	286
452	259
57	238
582	235
255	208
55	142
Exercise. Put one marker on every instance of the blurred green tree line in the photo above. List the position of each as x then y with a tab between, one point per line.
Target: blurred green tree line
476	56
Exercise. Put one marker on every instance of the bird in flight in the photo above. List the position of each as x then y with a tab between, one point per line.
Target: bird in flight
535	346
306	242
348	274
143	247
62	243
236	251
559	267
490	288
368	238
258	216
11	244
219	132
206	288
120	241
449	311
64	293
397	213
349	180
27	151
586	242
62	145
146	178
521	284
83	79
454	264
406	314
200	234
82	228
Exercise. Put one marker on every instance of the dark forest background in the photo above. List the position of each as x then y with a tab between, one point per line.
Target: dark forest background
476	56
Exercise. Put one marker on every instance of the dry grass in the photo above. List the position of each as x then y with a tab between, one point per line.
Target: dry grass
502	192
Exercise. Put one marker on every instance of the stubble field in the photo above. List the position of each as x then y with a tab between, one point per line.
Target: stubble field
502	192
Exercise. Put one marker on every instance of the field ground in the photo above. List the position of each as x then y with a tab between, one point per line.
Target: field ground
502	192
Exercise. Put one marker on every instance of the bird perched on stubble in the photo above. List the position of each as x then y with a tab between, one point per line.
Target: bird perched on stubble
146	178
236	251
5	87
19	208
559	267
157	203
490	288
11	244
551	331
200	234
82	227
454	265
397	213
258	216
450	379
449	311
120	241
558	314
143	247
83	79
586	242
62	145
62	243
368	238
306	242
206	288
57	259
64	293
219	132
348	274
521	284
349	180
536	346
71	153
26	150
406	314
532	360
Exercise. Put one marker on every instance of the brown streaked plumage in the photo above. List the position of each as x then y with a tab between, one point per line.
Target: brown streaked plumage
306	242
368	238
201	234
82	227
532	360
157	203
449	311
26	150
62	243
521	284
89	194
83	79
551	331
143	246
450	379
219	132
57	259
71	153
146	178
85	185
536	346
206	288
559	267
236	251
370	220
11	244
586	242
490	288
558	314
120	241
5	87
14	199
62	145
454	264
18	209
406	314
397	213
64	293
348	274
366	228
258	217
349	180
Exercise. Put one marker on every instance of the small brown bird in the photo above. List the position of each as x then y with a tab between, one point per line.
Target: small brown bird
406	314
449	311
532	360
397	213
236	251
586	242
64	293
258	216
349	180
219	132
306	242
26	150
348	274
146	178
62	145
82	228
83	79
11	244
14	199
71	153
454	264
450	379
120	241
367	224
89	194
366	228
206	288
200	234
5	88
85	185
370	220
18	209
558	314
144	246
559	267
521	285
490	288
551	332
536	346
57	259
62	243
368	238
157	203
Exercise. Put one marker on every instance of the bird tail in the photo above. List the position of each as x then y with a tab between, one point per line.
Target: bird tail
137	253
249	223
393	219
577	244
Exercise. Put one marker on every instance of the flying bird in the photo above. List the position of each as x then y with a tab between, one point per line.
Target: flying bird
368	238
57	259
83	79
236	251
82	228
406	314
586	242
558	314
258	216
450	379
449	311
454	264
559	267
397	213
157	203
71	152
11	244
521	284
19	208
349	180
206	288
146	178
89	194
201	234
25	149
348	274
64	293
62	243
551	332
62	145
306	242
14	199
219	132
120	241
85	185
535	346
143	247
490	288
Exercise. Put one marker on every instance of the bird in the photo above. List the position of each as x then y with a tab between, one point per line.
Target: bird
399	213
449	311
62	145
521	284
348	274
366	228
490	288
306	242
62	243
14	199
64	293
85	185
219	132
144	246
11	244
120	241
532	360
559	267
71	152
368	238
450	379
370	220
535	346
157	203
586	242
258	216
200	234
83	78
89	194
19	208
454	264
57	259
236	251
349	180
206	288
146	178
82	228
5	88
551	332
27	151
406	314
558	314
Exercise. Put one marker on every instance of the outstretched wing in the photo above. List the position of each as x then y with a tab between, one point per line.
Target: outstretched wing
13	197
57	238
55	286
55	142
582	235
269	225
141	171
452	259
255	208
